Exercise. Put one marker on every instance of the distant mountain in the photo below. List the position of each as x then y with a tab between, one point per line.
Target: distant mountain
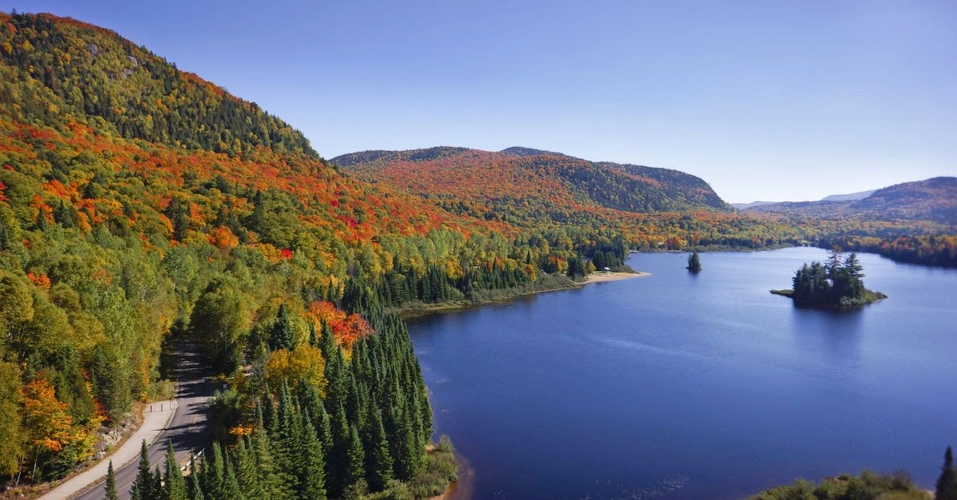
849	197
521	181
834	197
929	200
745	206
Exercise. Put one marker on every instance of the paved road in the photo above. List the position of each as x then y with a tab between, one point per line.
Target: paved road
187	430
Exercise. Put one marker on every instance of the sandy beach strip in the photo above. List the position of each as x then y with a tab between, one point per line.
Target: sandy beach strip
601	277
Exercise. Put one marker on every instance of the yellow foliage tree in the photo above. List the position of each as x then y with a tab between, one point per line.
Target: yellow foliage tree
303	365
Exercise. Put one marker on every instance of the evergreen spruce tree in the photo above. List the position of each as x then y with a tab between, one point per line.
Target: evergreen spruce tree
143	484
378	459
111	483
312	475
269	480
194	491
694	263
174	484
355	465
311	402
338	460
246	472
282	335
327	344
230	485
212	473
947	482
157	483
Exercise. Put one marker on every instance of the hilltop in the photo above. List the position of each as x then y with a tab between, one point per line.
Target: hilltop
531	176
928	200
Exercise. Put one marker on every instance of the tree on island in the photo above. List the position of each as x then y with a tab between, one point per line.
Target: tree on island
694	264
835	284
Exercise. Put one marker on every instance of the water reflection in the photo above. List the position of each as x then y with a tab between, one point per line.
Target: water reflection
708	378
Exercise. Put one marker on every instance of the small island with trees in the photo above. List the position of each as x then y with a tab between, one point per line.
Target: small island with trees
694	263
835	284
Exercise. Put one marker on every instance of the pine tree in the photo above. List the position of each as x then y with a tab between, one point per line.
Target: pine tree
230	485
111	483
378	459
311	402
269	480
355	465
312	476
174	485
143	484
947	482
194	491
246	472
212	473
282	335
694	263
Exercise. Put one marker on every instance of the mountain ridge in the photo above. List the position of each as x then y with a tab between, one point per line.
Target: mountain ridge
933	199
631	188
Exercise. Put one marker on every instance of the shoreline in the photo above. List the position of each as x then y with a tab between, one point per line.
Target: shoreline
604	277
461	305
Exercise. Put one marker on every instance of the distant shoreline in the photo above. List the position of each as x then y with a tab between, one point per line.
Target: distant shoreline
461	305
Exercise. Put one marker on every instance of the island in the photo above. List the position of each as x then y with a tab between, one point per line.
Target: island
835	284
694	263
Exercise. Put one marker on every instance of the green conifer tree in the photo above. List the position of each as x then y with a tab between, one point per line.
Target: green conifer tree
111	483
174	484
246	472
143	484
212	472
355	465
694	263
312	475
947	482
230	485
378	459
194	491
282	335
269	480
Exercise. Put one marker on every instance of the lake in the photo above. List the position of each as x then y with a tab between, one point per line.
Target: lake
676	386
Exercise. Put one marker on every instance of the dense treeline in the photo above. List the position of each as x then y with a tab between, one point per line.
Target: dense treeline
928	250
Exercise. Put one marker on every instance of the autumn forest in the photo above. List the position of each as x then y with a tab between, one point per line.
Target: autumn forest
142	208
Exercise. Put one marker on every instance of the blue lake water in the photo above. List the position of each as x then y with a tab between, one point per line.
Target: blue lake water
675	386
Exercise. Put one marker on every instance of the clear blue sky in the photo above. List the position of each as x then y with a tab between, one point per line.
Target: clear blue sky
771	99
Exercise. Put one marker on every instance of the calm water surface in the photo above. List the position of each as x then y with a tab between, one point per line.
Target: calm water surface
676	386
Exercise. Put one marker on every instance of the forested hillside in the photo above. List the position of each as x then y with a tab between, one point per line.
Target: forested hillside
539	191
139	204
912	222
932	200
525	174
87	70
